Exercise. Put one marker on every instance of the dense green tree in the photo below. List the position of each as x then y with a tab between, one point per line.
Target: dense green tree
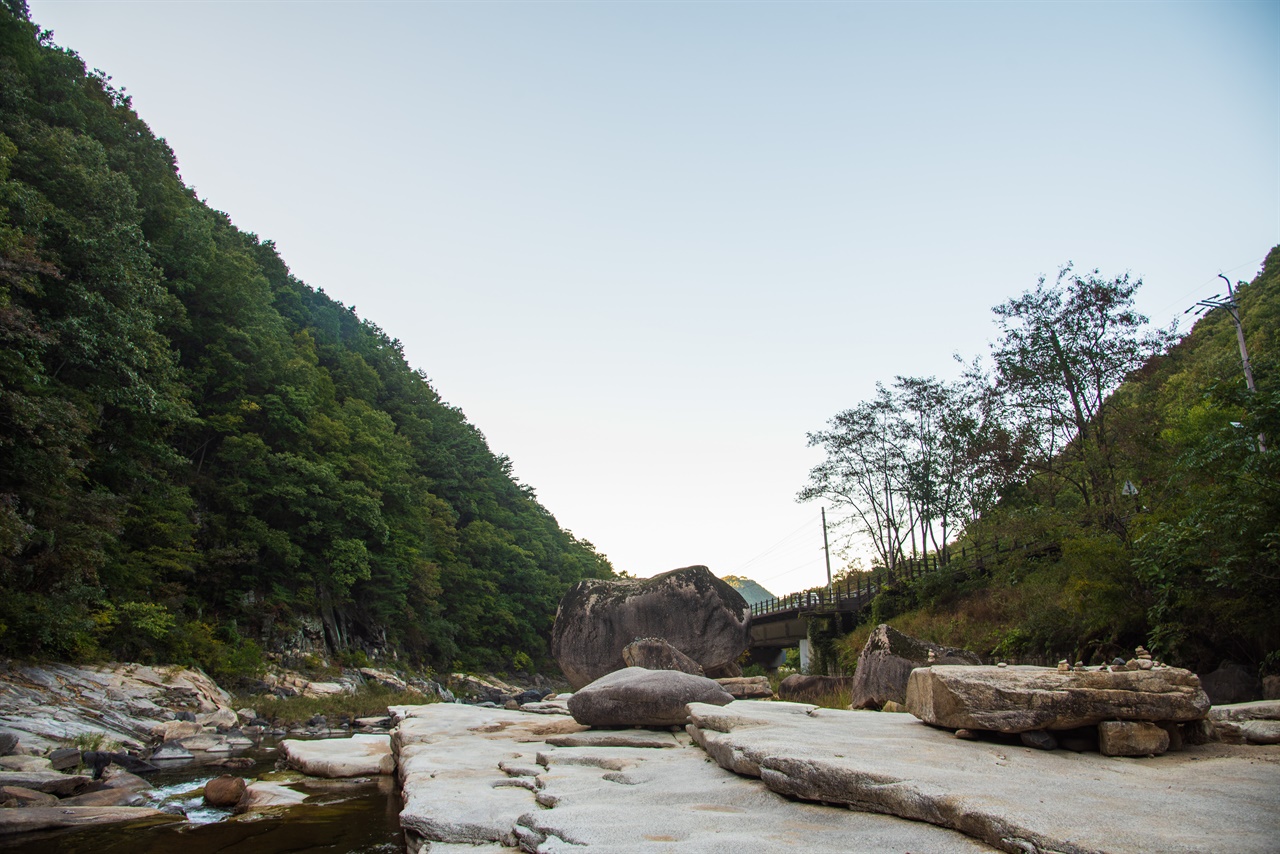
197	450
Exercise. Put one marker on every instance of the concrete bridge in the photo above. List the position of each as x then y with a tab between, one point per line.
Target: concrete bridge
783	623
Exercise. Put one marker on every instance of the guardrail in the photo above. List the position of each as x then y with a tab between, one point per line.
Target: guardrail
855	590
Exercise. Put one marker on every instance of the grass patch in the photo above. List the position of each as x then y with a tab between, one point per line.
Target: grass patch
369	701
830	700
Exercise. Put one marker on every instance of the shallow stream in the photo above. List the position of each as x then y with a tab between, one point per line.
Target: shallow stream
339	817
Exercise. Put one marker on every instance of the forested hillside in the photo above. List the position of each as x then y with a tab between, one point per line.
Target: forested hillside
199	453
1094	484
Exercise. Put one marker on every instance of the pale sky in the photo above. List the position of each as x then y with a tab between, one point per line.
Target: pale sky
646	247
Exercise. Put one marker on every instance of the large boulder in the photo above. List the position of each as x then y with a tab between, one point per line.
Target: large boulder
634	696
657	654
690	608
887	659
799	688
1021	699
357	756
1231	683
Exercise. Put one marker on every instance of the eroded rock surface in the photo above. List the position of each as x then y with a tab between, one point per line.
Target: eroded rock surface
1020	699
887	659
29	819
657	654
45	705
357	756
747	687
634	696
1015	798
488	777
1247	723
697	613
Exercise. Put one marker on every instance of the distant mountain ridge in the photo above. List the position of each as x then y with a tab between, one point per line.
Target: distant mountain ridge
752	592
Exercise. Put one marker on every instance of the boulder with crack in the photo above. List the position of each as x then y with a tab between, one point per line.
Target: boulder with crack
692	610
1017	799
886	661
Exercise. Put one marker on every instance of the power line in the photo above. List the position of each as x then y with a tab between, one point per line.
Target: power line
775	546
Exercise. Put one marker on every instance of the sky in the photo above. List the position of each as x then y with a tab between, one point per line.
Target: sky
647	247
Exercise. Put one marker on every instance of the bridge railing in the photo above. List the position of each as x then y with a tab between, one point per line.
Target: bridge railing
856	589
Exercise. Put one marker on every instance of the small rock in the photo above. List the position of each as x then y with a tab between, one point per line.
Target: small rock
224	791
893	706
8	744
24	797
1003	664
170	750
64	758
966	734
240	762
1131	738
24	763
176	730
747	687
1039	739
511	706
259	796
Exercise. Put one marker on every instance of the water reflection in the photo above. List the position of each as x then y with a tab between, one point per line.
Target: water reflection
340	817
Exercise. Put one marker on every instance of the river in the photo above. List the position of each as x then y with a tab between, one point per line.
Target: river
340	817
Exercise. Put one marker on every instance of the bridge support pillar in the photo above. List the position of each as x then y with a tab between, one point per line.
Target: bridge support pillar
804	655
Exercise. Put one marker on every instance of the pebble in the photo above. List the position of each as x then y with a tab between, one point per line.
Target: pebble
966	734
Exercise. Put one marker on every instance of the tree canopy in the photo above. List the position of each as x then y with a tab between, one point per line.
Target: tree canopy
198	452
1132	465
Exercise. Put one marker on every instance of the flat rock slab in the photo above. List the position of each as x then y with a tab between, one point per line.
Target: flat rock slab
28	819
615	738
489	777
357	756
1259	710
50	782
1017	799
1021	699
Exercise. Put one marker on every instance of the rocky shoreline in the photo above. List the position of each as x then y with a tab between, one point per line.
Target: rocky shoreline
627	764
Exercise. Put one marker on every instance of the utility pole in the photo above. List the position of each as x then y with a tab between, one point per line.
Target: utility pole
827	550
1205	306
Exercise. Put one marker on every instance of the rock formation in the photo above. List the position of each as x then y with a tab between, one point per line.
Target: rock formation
1247	723
695	612
887	659
1010	797
1020	699
657	654
1231	683
634	696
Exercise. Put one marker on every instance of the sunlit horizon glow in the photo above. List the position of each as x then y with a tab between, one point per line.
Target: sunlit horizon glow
647	247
